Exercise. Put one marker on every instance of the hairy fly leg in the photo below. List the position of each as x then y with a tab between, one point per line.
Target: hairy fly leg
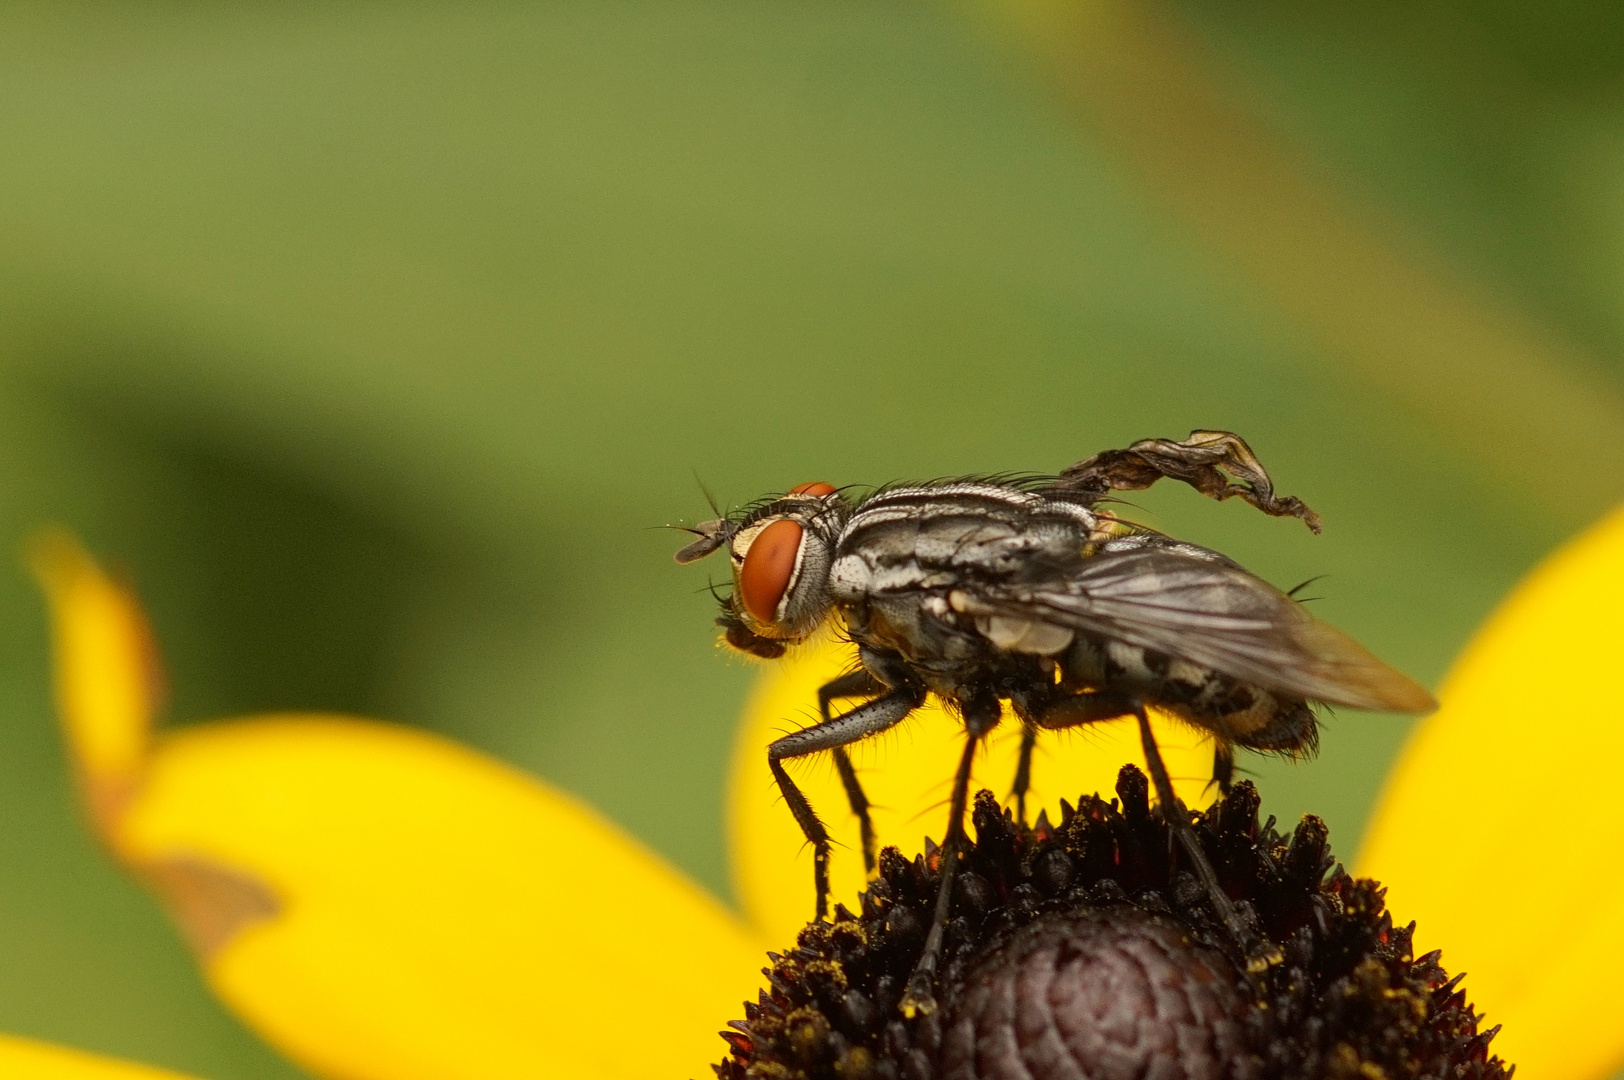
1218	464
981	715
1223	766
859	683
858	798
871	718
1092	708
1023	770
1179	818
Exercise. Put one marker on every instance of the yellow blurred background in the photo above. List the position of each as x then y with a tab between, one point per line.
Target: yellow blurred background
376	342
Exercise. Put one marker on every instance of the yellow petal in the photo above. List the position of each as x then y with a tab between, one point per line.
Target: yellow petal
107	680
383	904
1498	829
25	1059
907	774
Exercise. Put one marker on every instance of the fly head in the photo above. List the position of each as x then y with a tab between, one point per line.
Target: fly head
780	551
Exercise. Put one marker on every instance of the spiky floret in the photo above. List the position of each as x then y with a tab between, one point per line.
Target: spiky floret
1084	950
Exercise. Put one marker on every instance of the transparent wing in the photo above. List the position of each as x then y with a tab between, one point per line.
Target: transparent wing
1195	605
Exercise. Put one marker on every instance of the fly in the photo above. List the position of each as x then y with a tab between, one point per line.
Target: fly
988	591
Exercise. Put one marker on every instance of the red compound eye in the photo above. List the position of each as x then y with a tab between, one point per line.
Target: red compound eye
768	567
817	489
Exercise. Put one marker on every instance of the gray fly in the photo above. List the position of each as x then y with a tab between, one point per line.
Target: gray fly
1030	593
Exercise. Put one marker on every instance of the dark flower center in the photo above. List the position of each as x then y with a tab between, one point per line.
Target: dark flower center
1109	994
1087	951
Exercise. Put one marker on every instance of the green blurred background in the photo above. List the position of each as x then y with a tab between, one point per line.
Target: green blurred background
376	341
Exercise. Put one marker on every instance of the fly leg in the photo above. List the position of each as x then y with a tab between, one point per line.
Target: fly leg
1179	818
1218	464
981	715
871	718
858	798
859	683
1223	767
1023	771
1090	708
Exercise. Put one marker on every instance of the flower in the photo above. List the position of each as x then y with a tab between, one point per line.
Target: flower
382	903
1072	950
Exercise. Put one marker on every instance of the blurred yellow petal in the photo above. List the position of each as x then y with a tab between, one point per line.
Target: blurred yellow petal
1498	829
25	1059
383	904
106	670
907	774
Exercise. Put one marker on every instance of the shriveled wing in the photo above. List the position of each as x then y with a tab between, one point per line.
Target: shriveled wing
1197	606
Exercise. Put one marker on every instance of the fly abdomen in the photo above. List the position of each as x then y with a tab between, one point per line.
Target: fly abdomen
1233	710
